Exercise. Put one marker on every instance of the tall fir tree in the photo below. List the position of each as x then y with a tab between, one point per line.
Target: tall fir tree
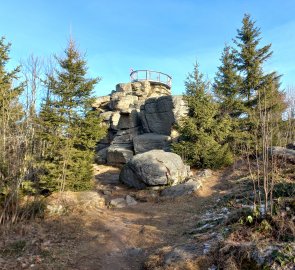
202	135
257	86
226	87
70	127
243	90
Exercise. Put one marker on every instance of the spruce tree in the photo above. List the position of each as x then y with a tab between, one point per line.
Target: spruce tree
70	127
243	90
257	86
227	85
226	88
202	134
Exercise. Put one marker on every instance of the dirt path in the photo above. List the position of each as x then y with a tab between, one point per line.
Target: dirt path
122	238
113	238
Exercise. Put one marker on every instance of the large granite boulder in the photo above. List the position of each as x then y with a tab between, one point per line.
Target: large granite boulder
157	115
154	168
149	141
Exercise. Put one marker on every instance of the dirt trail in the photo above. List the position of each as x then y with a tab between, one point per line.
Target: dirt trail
122	238
112	238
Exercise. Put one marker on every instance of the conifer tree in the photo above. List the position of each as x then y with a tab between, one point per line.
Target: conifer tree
243	89
257	86
227	85
226	88
70	127
10	112
202	135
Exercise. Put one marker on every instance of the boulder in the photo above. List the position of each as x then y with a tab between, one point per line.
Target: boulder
154	168
181	189
149	141
119	154
157	115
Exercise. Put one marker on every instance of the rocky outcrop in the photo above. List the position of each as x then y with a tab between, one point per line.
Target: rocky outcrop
139	117
154	168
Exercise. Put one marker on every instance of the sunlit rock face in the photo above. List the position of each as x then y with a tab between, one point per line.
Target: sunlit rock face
140	117
154	168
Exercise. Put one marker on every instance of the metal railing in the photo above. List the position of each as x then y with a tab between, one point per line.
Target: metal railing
151	75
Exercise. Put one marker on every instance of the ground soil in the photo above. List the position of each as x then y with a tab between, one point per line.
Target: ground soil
110	238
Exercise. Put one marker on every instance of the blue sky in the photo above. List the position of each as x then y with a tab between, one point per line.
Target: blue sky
167	36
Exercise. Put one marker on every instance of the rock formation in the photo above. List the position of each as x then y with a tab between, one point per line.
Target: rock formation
154	168
139	116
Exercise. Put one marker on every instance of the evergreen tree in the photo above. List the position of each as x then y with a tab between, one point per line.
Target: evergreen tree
226	88
227	85
257	86
243	90
11	112
202	134
70	129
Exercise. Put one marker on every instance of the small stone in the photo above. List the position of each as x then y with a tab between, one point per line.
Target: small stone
181	189
205	173
118	203
130	200
107	192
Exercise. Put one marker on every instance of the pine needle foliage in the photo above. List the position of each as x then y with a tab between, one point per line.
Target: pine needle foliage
203	135
244	90
70	128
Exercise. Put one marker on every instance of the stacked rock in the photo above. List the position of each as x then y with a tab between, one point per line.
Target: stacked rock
139	117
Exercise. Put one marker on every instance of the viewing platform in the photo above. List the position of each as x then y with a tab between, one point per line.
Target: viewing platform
151	76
